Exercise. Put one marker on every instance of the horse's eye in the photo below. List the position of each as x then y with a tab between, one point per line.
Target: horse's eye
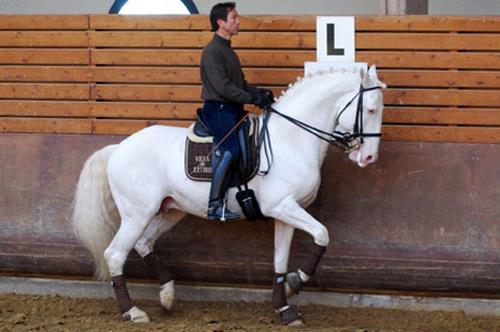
371	111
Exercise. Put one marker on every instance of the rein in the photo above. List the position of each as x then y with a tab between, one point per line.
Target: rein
341	140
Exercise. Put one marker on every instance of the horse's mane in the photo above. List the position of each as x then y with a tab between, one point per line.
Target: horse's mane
302	81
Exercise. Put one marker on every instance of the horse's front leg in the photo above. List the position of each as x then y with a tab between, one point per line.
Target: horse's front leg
283	234
291	213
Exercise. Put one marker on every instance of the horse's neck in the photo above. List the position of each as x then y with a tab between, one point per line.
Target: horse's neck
316	104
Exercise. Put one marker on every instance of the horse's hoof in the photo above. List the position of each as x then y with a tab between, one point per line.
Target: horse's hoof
167	295
291	317
136	315
293	284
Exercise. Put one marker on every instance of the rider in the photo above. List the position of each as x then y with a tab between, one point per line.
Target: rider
224	91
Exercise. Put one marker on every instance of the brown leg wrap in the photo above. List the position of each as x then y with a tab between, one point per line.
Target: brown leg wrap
279	297
159	270
121	292
311	264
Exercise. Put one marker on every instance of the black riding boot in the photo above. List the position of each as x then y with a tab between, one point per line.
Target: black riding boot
216	206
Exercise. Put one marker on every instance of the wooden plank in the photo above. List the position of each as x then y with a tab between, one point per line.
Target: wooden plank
43	22
434	60
261	58
149	22
188	75
441	115
299	23
127	127
151	93
44	108
161	93
279	76
200	22
45	125
438	97
44	91
44	56
428	41
428	23
45	74
424	78
297	40
43	39
144	110
489	135
193	39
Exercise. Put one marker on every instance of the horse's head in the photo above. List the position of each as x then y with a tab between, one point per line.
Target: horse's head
363	119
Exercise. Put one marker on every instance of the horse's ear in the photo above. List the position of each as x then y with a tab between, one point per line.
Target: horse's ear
372	72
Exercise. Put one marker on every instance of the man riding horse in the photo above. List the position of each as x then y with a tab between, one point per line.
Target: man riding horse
225	91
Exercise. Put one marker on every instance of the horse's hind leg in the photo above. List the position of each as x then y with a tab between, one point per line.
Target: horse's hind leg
161	224
116	254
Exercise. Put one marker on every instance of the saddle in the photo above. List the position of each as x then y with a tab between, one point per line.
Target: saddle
199	157
199	160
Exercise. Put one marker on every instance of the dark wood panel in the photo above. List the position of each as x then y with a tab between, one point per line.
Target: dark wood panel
383	236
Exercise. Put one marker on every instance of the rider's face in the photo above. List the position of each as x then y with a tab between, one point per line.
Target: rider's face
231	25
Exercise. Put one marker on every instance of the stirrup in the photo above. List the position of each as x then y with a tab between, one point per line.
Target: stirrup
219	211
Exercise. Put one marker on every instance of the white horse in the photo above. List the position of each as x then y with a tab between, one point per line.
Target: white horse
129	194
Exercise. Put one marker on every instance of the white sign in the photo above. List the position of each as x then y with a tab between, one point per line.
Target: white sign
335	38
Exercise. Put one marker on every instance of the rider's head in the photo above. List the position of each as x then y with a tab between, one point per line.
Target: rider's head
224	18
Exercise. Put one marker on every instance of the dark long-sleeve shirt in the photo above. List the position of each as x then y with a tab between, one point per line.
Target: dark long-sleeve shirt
221	74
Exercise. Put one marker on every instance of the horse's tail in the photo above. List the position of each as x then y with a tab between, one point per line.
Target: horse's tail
95	216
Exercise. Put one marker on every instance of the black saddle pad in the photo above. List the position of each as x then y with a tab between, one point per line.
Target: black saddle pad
198	157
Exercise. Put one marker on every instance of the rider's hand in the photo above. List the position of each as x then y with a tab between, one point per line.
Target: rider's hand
267	92
261	100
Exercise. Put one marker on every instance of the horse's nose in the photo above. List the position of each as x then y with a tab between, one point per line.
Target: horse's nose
370	159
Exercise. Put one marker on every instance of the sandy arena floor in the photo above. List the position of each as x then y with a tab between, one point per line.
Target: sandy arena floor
55	313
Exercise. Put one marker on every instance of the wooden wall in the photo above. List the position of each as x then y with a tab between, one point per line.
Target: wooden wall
104	74
424	217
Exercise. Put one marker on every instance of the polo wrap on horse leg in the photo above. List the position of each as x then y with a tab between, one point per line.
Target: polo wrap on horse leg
279	298
122	297
310	265
287	314
159	270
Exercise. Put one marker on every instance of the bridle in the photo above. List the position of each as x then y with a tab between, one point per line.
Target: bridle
345	141
347	138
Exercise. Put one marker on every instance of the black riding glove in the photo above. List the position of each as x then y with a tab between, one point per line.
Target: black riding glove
261	100
269	93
